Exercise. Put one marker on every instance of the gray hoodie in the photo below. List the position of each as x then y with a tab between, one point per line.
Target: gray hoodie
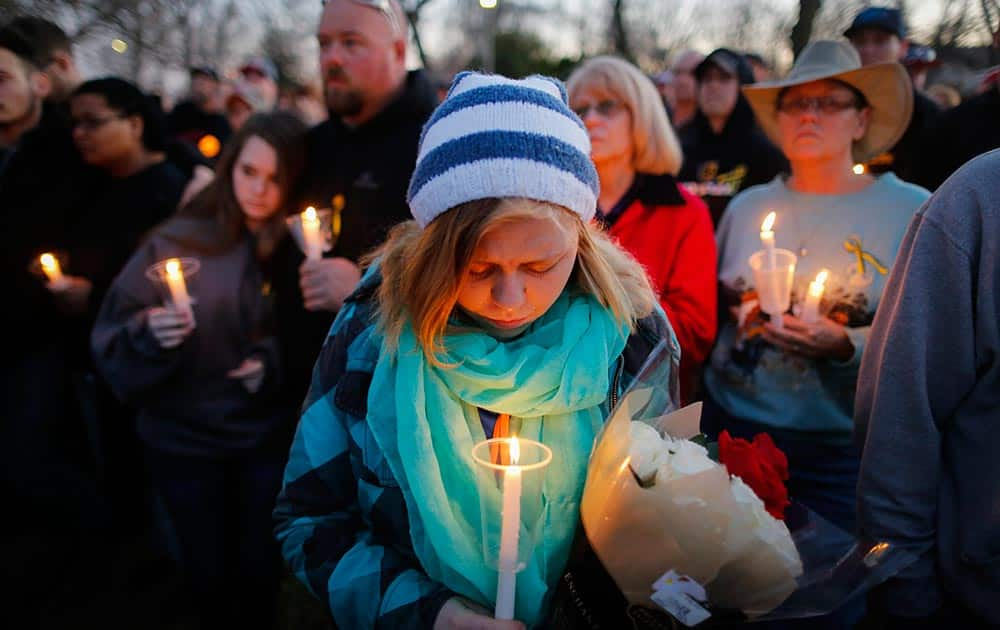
187	404
928	401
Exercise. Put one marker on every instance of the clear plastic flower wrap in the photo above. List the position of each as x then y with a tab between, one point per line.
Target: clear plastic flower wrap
678	533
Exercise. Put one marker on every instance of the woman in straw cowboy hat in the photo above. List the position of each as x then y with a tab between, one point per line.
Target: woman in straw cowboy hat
795	379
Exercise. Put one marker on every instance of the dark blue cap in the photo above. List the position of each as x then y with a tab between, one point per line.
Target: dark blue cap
730	62
882	18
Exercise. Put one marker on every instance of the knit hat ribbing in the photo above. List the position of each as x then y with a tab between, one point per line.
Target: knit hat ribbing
498	137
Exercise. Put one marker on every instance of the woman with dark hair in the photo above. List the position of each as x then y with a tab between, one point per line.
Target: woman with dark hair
120	130
211	414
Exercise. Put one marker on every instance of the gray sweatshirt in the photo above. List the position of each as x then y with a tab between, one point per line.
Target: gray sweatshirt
928	401
187	404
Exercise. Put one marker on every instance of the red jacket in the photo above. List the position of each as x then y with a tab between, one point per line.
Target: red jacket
669	231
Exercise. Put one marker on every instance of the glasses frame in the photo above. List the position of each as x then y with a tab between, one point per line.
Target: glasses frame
605	108
826	105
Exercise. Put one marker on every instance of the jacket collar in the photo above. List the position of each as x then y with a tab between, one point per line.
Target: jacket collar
659	190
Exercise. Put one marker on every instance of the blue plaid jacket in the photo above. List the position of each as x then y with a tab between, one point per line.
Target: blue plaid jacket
340	517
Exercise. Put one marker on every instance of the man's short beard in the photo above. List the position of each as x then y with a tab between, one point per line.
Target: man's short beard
344	103
33	108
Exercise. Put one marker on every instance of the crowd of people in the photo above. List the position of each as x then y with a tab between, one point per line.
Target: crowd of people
500	261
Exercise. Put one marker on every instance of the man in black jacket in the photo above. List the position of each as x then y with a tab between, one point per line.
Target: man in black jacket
724	150
365	153
879	36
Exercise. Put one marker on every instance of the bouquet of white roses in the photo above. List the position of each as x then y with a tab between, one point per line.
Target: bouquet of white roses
681	531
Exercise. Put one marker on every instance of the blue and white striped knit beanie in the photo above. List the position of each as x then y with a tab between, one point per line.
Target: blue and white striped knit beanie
497	137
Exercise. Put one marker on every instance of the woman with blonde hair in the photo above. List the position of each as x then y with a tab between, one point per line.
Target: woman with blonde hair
666	228
501	310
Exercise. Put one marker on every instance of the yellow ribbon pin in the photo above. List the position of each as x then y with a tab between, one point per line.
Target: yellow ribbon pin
853	245
337	204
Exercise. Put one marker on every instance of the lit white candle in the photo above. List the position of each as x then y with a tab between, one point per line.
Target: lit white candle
52	270
810	312
509	532
310	234
178	288
767	238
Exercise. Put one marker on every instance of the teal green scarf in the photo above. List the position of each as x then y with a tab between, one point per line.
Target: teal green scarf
552	379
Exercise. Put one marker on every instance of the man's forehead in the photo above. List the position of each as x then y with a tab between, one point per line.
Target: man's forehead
366	17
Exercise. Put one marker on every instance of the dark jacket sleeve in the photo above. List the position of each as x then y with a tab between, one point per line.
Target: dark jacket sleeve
363	582
124	350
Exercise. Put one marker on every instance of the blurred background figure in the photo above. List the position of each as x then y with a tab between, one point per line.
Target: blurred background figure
685	88
261	73
724	150
305	100
664	83
200	114
665	227
879	36
918	61
944	95
243	101
762	70
213	419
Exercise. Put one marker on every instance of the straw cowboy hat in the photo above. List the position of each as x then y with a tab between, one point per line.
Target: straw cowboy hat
886	87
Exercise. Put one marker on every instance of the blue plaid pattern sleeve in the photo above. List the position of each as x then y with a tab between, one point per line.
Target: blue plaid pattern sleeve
340	517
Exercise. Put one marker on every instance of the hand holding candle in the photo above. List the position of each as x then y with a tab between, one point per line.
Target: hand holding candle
810	311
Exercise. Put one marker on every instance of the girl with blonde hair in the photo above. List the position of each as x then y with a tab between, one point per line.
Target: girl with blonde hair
501	309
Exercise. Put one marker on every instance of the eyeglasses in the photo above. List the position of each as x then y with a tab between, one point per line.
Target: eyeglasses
604	109
91	124
828	105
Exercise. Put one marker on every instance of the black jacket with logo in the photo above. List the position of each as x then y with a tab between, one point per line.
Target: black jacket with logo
718	166
370	165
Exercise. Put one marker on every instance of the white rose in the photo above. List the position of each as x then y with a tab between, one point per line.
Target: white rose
683	458
770	530
646	448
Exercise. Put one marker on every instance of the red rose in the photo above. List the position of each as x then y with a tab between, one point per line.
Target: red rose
761	465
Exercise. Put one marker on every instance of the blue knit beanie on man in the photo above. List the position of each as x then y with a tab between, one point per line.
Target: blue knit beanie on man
499	137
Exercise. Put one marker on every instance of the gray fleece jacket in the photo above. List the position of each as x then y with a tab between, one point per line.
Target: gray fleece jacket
928	401
187	405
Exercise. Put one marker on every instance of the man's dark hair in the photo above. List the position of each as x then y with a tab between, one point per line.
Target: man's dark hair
129	100
44	35
20	43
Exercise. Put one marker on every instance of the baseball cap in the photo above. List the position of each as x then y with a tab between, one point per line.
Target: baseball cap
262	65
882	18
730	62
207	71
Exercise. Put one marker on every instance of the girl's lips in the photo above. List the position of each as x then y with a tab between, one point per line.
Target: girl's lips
508	324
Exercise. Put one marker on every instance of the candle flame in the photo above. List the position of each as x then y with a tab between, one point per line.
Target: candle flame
768	222
310	214
49	261
515	451
859	169
488	4
173	267
821	277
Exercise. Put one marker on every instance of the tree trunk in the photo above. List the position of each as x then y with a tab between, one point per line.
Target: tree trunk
619	33
802	30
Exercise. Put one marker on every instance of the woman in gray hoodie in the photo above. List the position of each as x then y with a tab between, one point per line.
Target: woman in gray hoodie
207	381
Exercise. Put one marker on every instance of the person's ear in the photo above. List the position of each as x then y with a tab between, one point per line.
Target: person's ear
864	118
904	47
63	60
41	84
399	50
136	126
